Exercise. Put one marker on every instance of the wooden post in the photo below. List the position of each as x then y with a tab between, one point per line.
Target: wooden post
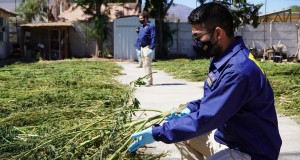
59	43
65	43
49	44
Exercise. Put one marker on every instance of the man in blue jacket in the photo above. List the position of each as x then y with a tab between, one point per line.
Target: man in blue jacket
145	45
238	102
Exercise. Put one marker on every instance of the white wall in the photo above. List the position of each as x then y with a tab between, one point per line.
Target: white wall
81	45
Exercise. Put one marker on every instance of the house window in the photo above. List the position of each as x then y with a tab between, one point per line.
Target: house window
1	21
1	27
1	36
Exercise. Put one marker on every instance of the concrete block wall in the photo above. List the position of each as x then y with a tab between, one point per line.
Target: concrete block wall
265	35
182	39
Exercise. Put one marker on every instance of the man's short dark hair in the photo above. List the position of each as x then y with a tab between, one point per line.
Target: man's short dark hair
212	15
144	14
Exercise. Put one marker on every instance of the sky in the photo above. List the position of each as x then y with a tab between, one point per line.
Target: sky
272	5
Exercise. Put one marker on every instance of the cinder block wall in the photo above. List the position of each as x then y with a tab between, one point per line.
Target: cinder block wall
262	37
267	34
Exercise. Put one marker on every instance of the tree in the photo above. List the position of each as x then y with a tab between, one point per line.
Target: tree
295	8
99	30
201	1
242	12
31	9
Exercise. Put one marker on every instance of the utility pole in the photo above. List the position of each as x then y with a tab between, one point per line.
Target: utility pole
16	18
265	6
265	20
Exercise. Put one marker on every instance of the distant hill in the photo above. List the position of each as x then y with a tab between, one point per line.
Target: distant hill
178	11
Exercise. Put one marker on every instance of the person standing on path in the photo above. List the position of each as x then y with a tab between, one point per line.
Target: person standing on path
236	118
145	44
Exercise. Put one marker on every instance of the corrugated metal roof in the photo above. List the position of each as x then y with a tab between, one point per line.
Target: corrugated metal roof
276	12
281	16
48	24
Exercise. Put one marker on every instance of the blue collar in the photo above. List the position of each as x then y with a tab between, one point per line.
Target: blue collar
218	62
147	24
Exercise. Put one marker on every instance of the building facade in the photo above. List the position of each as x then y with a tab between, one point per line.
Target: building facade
4	32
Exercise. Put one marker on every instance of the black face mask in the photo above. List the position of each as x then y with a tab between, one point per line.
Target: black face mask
204	47
142	22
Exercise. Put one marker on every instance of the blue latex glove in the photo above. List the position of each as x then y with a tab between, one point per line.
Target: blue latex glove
150	52
173	116
138	52
184	112
144	137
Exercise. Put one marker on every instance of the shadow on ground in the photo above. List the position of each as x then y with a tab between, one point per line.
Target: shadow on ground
289	156
12	60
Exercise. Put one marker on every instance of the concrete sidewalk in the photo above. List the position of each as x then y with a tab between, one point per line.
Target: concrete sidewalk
168	92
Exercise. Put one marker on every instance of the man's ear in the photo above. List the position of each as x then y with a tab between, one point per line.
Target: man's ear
219	32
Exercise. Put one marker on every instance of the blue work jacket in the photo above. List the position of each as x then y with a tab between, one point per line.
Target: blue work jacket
238	101
146	36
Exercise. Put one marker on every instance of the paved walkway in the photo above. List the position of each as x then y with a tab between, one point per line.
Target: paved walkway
168	92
